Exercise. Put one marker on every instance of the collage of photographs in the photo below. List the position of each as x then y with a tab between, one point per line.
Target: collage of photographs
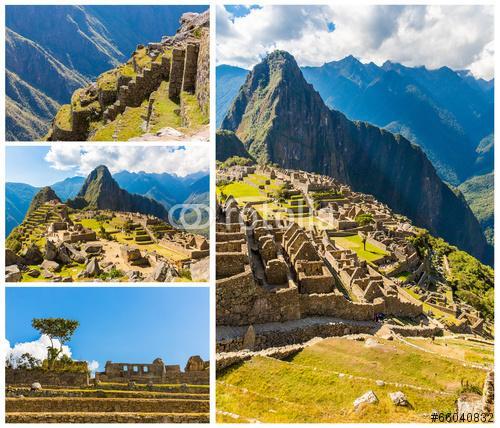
256	213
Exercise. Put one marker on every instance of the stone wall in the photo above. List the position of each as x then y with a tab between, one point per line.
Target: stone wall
176	73
45	378
294	336
191	378
76	404
27	418
240	301
203	72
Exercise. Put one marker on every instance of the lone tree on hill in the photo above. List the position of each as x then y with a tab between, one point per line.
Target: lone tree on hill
55	328
363	240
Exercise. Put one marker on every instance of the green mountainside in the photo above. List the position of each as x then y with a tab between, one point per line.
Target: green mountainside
281	119
101	191
479	194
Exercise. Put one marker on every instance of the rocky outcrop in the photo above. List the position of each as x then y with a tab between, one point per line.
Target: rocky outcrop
44	195
281	118
228	144
101	191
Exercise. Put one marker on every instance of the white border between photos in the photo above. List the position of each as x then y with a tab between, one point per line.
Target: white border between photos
211	163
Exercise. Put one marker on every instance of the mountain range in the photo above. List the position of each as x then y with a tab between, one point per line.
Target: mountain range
166	189
53	50
448	113
280	118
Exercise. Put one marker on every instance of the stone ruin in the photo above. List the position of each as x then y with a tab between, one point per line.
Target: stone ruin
195	372
181	60
274	271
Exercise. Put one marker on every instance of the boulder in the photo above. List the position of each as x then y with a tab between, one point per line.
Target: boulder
13	274
368	397
35	386
34	273
92	248
67	279
134	275
92	269
130	254
46	274
50	250
50	266
398	398
11	258
74	254
164	272
32	256
380	382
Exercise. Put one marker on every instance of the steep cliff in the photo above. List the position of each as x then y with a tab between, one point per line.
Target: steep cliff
101	191
281	118
228	144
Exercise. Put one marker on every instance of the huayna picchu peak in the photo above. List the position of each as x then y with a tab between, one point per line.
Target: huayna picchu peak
101	191
281	119
160	93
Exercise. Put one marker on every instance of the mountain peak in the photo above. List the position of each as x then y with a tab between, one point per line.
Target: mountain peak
44	195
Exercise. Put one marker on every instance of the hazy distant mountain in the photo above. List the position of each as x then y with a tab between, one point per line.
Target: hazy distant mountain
228	82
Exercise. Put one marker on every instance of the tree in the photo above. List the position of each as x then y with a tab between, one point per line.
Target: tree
55	328
363	240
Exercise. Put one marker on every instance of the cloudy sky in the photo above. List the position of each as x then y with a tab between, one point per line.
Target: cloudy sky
460	37
45	165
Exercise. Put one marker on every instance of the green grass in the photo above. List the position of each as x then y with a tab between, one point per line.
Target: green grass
165	111
457	348
404	276
354	243
142	59
242	190
104	133
308	389
63	118
107	81
193	117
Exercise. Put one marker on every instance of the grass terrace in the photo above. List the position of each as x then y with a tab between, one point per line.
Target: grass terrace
308	388
353	242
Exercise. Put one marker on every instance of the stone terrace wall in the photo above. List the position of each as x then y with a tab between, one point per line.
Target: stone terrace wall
299	335
335	305
240	301
108	418
45	378
203	73
192	378
75	404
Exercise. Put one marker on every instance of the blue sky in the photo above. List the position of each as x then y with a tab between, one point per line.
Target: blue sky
44	166
118	324
26	165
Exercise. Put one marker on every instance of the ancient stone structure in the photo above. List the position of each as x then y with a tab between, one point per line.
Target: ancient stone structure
181	60
196	372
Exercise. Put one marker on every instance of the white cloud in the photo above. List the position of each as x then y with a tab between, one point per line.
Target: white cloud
460	37
153	159
93	366
36	348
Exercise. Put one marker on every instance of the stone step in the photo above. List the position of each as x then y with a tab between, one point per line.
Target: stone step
103	417
79	404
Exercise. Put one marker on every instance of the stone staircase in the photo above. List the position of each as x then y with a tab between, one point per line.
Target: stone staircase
107	403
